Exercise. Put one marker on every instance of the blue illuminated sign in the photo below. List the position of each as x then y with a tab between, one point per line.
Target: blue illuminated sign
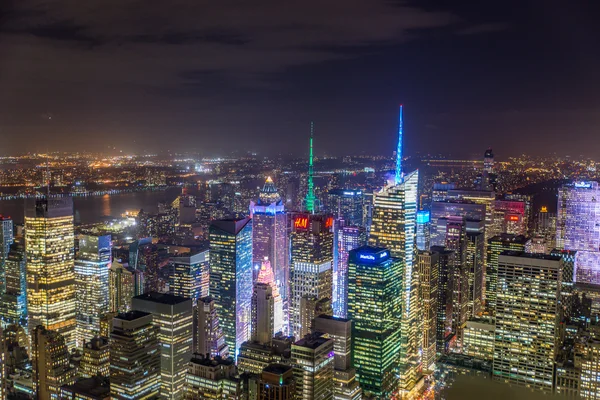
583	185
373	257
423	217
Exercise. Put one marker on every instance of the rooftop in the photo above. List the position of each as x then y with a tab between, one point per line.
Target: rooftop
313	341
163	298
96	387
278	369
132	315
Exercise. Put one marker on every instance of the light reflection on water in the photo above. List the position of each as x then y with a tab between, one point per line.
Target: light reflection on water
95	208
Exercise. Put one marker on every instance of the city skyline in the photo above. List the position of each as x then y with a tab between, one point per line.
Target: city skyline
199	76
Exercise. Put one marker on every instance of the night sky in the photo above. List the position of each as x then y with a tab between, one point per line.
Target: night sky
216	76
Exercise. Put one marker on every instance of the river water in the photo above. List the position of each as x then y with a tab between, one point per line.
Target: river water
96	208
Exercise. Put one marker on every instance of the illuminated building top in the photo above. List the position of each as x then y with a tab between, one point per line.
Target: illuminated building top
399	172
310	193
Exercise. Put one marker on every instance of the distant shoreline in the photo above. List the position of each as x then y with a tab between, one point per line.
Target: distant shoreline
87	193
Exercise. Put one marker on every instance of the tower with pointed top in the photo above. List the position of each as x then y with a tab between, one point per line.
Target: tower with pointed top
269	236
399	172
310	193
394	228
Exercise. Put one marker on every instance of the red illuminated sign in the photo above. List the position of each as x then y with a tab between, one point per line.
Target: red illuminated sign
301	223
513	218
329	222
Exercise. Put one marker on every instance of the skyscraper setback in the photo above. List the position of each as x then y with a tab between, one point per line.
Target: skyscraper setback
49	246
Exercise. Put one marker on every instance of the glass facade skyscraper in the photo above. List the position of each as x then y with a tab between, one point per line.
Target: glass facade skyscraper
189	275
394	228
49	247
578	228
92	265
375	284
231	278
348	238
346	204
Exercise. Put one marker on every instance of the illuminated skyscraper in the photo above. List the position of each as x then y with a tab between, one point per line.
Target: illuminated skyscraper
527	319
442	210
590	370
189	275
428	263
212	378
496	246
92	266
456	241
277	383
345	386
423	230
394	228
231	278
510	217
13	307
210	339
346	204
312	358
174	318
120	288
134	357
374	305
578	228
6	239
269	234
262	313
95	360
49	247
446	261
311	243
266	276
347	238
50	362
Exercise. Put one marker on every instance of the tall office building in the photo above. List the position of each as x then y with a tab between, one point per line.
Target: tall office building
578	228
311	266
50	362
95	360
510	217
347	205
393	227
92	265
174	318
135	357
269	234
312	358
478	341
263	311
189	275
446	261
231	278
375	284
476	260
120	288
277	382
496	246
212	378
6	239
346	386
209	335
428	263
49	247
442	210
590	370
482	197
347	238
456	240
423	230
266	276
527	319
13	307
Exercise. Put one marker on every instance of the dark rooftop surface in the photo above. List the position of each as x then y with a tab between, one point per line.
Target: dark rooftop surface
132	315
163	298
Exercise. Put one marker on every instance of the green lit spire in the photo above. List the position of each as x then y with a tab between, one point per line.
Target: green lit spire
310	193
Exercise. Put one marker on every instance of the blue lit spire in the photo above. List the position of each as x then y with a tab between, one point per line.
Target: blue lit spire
399	172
